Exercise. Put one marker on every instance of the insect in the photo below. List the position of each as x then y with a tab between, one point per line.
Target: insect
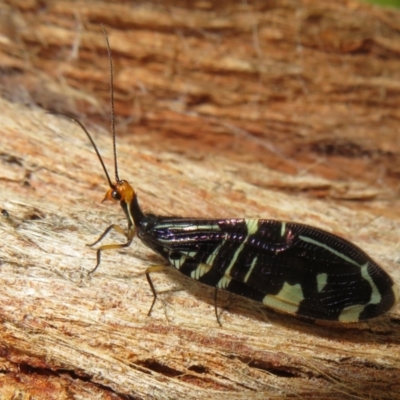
290	267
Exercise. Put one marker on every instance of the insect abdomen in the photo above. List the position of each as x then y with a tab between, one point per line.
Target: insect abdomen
290	267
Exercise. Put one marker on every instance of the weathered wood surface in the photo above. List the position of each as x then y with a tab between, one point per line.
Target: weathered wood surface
287	110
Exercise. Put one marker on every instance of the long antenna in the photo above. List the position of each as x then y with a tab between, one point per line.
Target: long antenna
91	141
112	103
112	121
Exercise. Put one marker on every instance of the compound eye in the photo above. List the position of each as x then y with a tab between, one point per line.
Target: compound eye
116	195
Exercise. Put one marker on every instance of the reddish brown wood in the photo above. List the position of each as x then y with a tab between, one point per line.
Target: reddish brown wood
285	110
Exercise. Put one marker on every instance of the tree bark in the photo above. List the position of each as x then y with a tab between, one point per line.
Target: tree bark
286	110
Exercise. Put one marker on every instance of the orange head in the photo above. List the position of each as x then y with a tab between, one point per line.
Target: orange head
122	191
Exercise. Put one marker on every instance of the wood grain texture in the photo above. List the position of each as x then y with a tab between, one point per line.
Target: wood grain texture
286	110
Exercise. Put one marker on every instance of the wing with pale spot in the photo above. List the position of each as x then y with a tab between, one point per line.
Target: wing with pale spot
290	267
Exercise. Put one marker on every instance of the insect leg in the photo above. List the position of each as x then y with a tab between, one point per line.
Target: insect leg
107	231
156	268
215	305
108	247
130	235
